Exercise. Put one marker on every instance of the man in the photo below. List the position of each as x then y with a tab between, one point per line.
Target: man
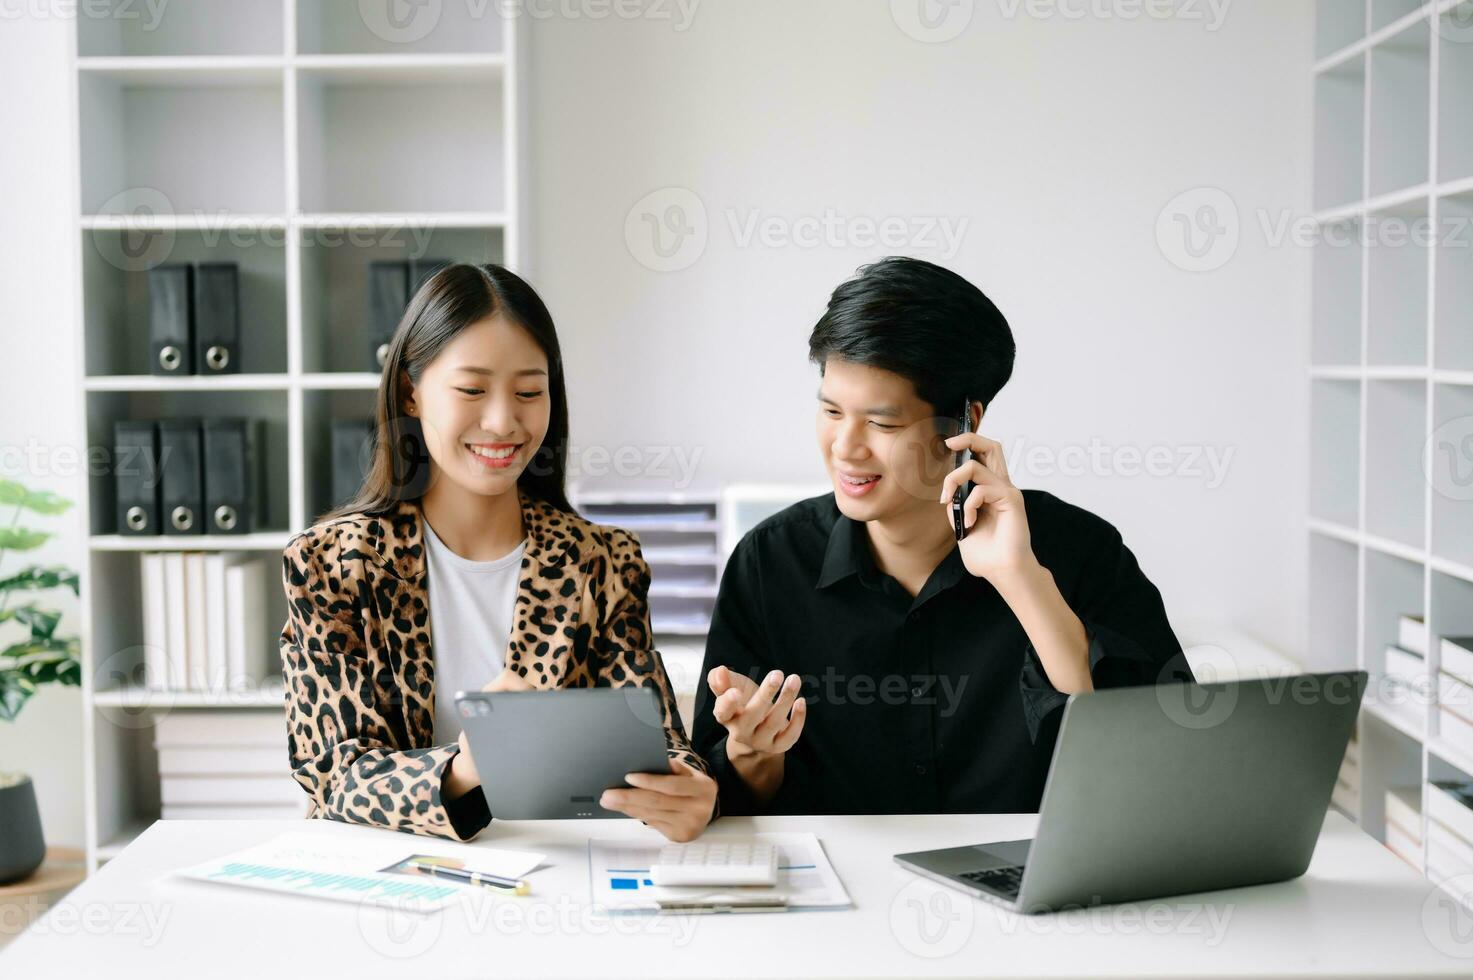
923	674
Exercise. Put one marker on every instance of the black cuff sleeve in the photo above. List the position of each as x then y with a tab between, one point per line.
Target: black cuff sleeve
469	815
734	798
1115	660
1040	697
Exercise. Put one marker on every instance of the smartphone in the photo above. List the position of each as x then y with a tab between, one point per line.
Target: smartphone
959	499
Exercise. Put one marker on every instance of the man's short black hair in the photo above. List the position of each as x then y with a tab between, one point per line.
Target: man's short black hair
924	323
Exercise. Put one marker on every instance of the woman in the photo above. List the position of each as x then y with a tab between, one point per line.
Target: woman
463	524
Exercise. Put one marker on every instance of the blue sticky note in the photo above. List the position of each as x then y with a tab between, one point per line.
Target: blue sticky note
624	884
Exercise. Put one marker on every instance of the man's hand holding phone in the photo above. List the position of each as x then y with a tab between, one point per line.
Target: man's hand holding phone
762	722
997	545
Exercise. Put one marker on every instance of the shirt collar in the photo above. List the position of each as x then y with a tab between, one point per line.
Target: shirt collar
404	542
848	553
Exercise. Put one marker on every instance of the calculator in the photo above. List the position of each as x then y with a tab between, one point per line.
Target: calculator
719	861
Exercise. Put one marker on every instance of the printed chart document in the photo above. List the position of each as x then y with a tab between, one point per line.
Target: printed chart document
618	878
351	869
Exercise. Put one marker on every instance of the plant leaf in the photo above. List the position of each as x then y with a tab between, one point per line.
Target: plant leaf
46	503
22	539
37	577
49	661
40	501
41	621
15	690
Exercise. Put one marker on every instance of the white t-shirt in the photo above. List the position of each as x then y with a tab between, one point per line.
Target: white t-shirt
471	606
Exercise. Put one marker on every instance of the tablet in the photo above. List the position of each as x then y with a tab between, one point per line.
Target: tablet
546	755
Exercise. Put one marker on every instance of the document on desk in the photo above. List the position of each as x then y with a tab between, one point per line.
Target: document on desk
349	869
618	878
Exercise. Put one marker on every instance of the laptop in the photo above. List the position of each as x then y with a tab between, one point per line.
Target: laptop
546	755
1170	789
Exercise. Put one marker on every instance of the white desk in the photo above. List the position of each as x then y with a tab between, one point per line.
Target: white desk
1358	912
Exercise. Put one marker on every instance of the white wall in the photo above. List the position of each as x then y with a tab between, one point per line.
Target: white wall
38	354
1059	141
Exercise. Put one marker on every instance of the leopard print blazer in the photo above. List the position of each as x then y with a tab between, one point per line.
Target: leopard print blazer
359	664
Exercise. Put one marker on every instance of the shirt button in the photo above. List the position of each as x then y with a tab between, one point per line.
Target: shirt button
920	770
917	691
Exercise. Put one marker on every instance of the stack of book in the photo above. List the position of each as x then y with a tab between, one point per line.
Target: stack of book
1455	693
226	765
1347	784
1407	692
1449	829
205	621
1404	824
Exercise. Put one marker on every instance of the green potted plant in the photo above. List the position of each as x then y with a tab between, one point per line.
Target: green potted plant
32	655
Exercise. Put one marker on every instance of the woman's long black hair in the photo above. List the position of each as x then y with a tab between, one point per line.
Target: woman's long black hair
451	300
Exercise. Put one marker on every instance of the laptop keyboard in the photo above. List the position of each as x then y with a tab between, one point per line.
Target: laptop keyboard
1004	881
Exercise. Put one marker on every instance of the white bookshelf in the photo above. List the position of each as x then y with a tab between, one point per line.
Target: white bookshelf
682	537
300	139
1392	363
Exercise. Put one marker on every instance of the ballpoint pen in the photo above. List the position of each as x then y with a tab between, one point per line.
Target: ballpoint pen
513	885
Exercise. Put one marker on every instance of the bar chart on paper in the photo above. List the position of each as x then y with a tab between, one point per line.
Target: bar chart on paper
353	869
619	874
322	884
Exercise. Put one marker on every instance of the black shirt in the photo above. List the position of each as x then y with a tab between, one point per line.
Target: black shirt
929	704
